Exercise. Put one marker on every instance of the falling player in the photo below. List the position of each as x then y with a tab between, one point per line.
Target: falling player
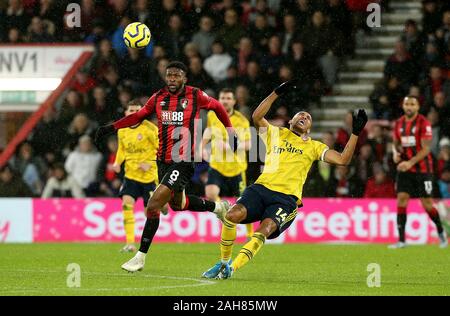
137	149
274	198
177	107
227	178
411	150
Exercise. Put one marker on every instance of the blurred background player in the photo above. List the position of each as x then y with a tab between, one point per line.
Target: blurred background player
138	145
412	139
274	198
177	107
227	177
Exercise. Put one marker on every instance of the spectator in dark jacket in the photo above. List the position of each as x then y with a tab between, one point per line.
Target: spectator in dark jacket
324	43
48	136
413	39
386	99
197	76
432	18
401	65
11	184
231	32
260	31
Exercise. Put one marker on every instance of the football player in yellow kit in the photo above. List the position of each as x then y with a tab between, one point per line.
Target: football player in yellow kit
137	149
276	195
227	178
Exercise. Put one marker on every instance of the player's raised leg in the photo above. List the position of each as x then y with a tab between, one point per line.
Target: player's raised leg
179	201
427	204
182	202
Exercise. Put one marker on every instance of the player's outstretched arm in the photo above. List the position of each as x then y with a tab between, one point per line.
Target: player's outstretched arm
264	107
344	158
127	121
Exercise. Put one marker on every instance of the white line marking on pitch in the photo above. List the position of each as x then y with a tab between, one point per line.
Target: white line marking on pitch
29	290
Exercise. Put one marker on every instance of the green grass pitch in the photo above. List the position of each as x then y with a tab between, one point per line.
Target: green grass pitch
175	269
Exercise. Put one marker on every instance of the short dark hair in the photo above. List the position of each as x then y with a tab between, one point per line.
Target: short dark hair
178	65
7	167
409	96
135	102
58	165
227	90
410	22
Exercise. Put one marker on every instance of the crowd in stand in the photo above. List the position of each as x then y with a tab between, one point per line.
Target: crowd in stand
250	46
420	66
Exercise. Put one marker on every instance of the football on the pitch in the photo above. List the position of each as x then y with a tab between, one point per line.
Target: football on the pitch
137	35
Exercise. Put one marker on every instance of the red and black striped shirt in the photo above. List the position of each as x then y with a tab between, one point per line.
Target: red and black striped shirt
177	116
410	134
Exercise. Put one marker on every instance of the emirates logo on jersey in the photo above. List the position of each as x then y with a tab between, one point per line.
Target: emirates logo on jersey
139	136
184	103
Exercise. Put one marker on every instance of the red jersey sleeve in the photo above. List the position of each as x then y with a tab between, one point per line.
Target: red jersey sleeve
426	132
208	103
137	117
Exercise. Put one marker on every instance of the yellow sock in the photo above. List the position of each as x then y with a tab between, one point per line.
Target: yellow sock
250	230
227	240
128	222
249	250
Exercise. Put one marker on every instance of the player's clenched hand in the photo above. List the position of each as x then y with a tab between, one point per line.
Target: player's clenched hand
103	131
359	121
404	166
286	87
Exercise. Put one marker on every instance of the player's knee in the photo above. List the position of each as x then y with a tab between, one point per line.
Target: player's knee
152	213
402	200
153	207
235	215
232	217
268	227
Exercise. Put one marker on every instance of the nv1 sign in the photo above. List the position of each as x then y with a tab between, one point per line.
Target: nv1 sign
38	61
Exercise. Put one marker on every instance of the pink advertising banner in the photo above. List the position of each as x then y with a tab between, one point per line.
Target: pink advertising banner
319	221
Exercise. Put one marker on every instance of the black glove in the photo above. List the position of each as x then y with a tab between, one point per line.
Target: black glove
103	131
286	87
233	141
359	121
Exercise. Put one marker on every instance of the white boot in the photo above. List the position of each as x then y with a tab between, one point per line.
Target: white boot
136	263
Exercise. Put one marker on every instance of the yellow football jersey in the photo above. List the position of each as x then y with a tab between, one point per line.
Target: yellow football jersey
218	160
139	145
288	160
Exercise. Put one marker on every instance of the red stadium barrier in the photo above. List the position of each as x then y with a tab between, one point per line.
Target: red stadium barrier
28	126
